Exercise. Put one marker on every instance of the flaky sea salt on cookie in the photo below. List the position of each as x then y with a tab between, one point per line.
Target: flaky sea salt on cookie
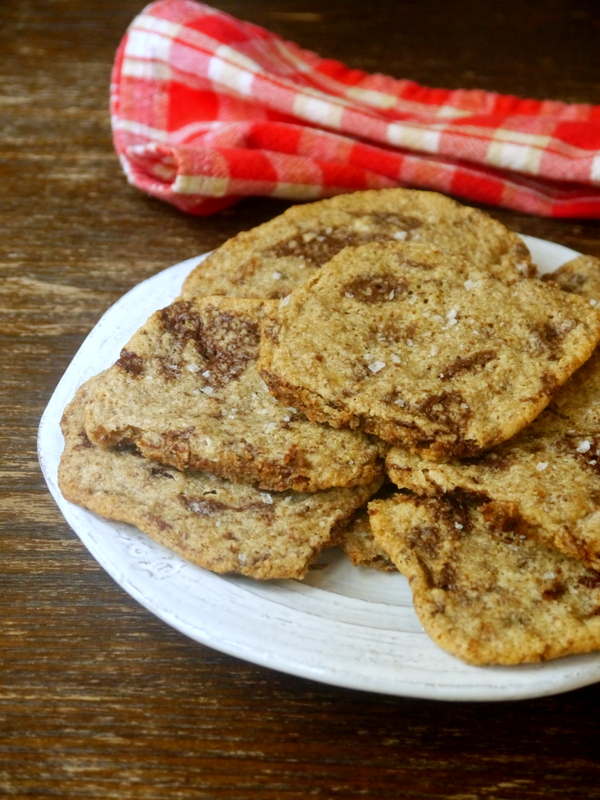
484	594
272	259
216	524
547	477
423	349
185	391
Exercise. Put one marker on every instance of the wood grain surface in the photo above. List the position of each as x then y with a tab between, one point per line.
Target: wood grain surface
99	699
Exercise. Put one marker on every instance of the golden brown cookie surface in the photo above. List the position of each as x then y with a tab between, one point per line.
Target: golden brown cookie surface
186	392
214	523
422	349
272	259
580	276
487	595
548	475
356	540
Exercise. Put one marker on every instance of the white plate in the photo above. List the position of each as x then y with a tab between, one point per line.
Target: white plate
342	625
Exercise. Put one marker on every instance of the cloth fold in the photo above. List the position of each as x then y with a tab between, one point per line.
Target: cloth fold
207	109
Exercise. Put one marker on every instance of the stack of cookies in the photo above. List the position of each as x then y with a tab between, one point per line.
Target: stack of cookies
388	348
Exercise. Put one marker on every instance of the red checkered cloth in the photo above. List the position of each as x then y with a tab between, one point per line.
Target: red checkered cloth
207	109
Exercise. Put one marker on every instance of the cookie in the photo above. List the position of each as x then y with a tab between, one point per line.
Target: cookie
488	595
185	391
581	276
272	259
216	524
548	476
422	349
356	540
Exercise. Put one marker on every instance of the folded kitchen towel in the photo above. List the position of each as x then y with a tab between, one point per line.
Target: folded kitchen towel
207	109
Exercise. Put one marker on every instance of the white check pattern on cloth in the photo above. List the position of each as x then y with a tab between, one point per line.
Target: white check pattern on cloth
207	108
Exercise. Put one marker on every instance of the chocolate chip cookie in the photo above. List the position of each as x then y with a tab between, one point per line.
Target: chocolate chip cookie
548	476
214	523
272	259
581	276
423	349
186	392
487	594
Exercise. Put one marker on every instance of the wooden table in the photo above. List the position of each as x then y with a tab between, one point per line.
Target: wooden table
98	698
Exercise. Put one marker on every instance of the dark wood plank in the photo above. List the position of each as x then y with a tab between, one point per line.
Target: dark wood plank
99	699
